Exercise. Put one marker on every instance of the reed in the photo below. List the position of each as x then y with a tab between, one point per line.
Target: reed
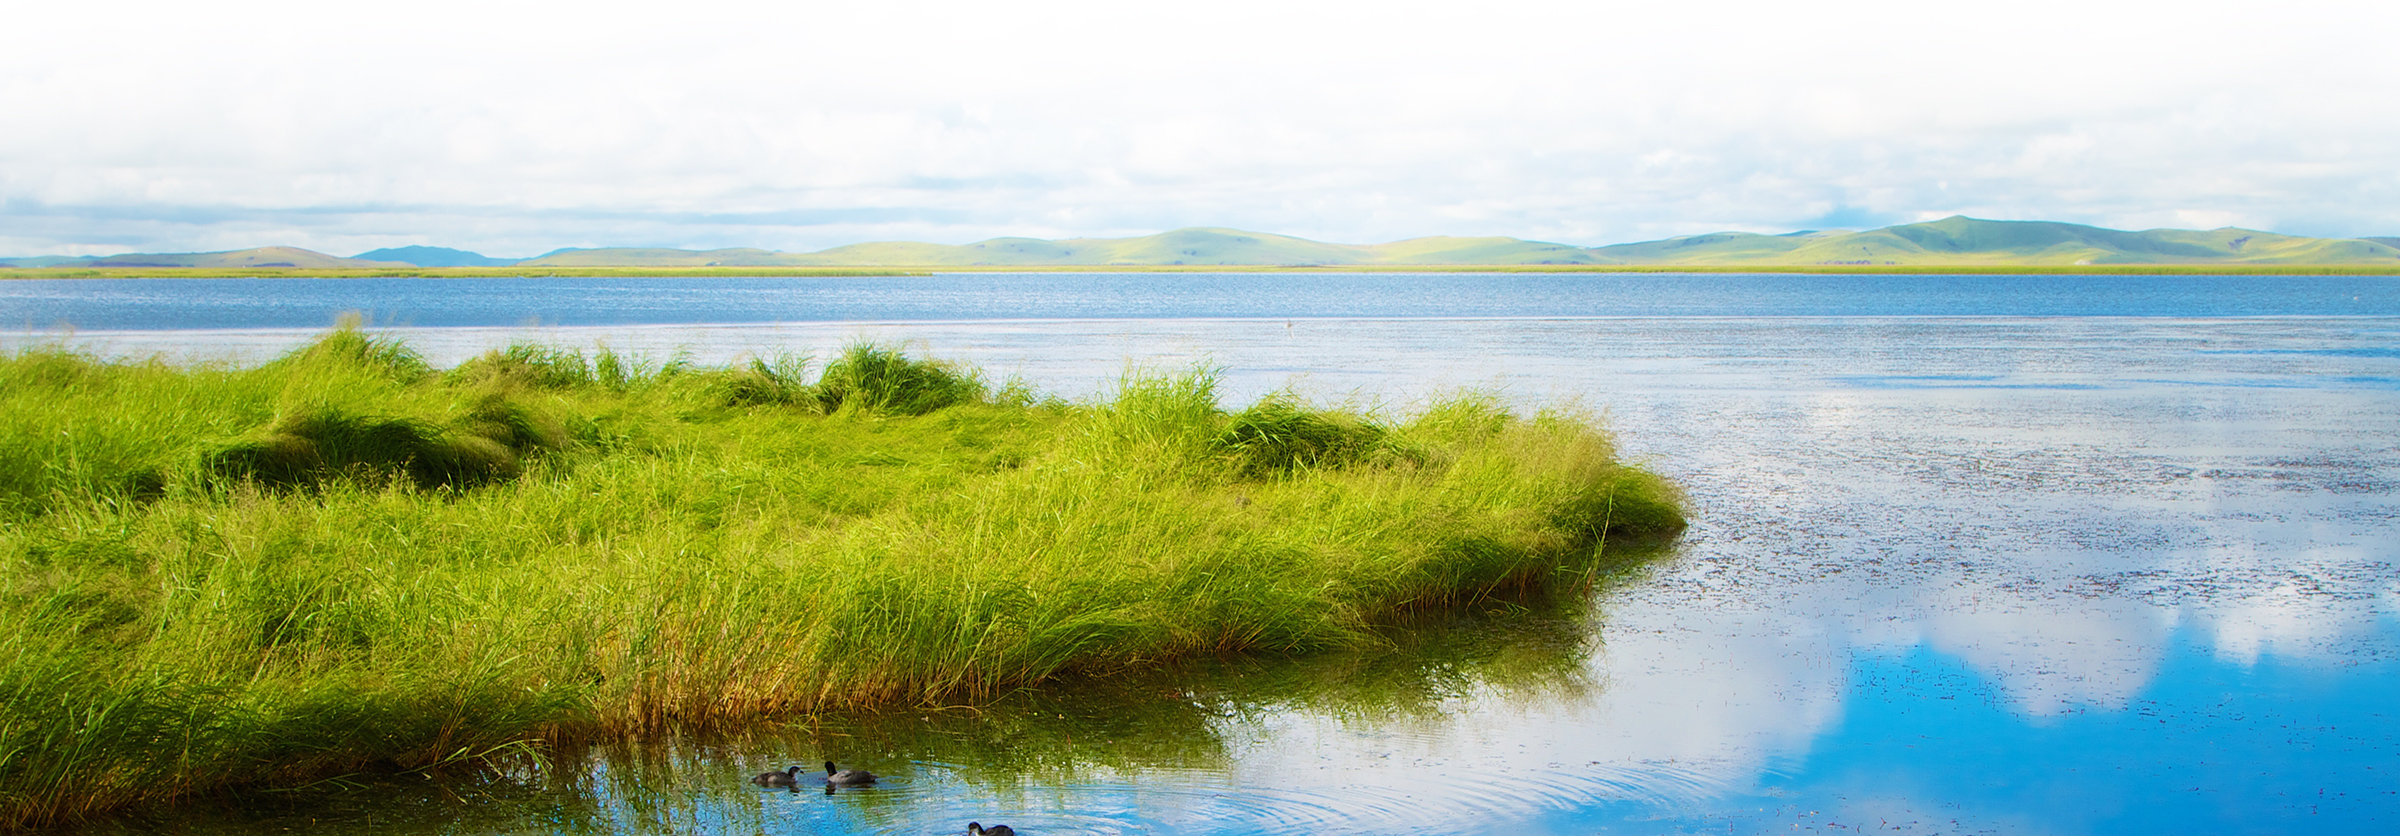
343	560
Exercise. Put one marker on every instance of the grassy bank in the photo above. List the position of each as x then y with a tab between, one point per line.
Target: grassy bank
346	560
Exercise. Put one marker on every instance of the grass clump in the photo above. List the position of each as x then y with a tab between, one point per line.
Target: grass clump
341	560
309	446
873	378
539	367
1278	435
760	383
348	346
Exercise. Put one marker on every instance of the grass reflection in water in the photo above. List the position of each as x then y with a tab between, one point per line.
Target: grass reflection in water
1029	757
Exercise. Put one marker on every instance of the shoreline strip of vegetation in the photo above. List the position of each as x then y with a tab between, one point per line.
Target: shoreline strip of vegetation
346	560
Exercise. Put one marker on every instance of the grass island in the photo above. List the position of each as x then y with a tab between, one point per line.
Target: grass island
345	559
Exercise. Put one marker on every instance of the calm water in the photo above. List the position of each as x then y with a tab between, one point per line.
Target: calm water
1970	555
132	304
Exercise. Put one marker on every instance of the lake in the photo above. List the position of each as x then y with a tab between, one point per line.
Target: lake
1970	554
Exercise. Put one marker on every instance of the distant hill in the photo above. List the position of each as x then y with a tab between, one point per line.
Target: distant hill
1967	241
253	257
47	261
659	257
1959	241
1955	241
1196	246
433	257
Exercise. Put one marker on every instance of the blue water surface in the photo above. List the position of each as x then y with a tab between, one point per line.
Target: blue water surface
1969	554
150	304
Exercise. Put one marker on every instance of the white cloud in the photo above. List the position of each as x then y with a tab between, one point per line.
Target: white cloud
502	125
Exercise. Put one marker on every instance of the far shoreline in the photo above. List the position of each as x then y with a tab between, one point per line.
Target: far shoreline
632	271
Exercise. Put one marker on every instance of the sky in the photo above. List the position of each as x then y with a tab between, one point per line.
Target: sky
515	128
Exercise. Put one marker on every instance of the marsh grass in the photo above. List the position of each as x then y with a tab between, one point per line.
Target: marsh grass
879	379
346	561
1279	435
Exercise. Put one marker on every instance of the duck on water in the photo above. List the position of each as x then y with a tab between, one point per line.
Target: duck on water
786	778
833	777
846	777
997	830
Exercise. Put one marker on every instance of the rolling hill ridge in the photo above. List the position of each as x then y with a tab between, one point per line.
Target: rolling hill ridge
1951	242
1960	241
260	257
1967	241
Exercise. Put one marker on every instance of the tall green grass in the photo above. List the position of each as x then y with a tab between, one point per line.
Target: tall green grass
346	560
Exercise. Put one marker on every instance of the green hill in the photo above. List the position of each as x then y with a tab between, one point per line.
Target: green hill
1965	241
1194	246
434	257
661	257
253	257
47	261
1711	248
1442	249
1955	242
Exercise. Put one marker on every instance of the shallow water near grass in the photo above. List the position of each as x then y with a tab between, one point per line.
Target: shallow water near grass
2122	568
